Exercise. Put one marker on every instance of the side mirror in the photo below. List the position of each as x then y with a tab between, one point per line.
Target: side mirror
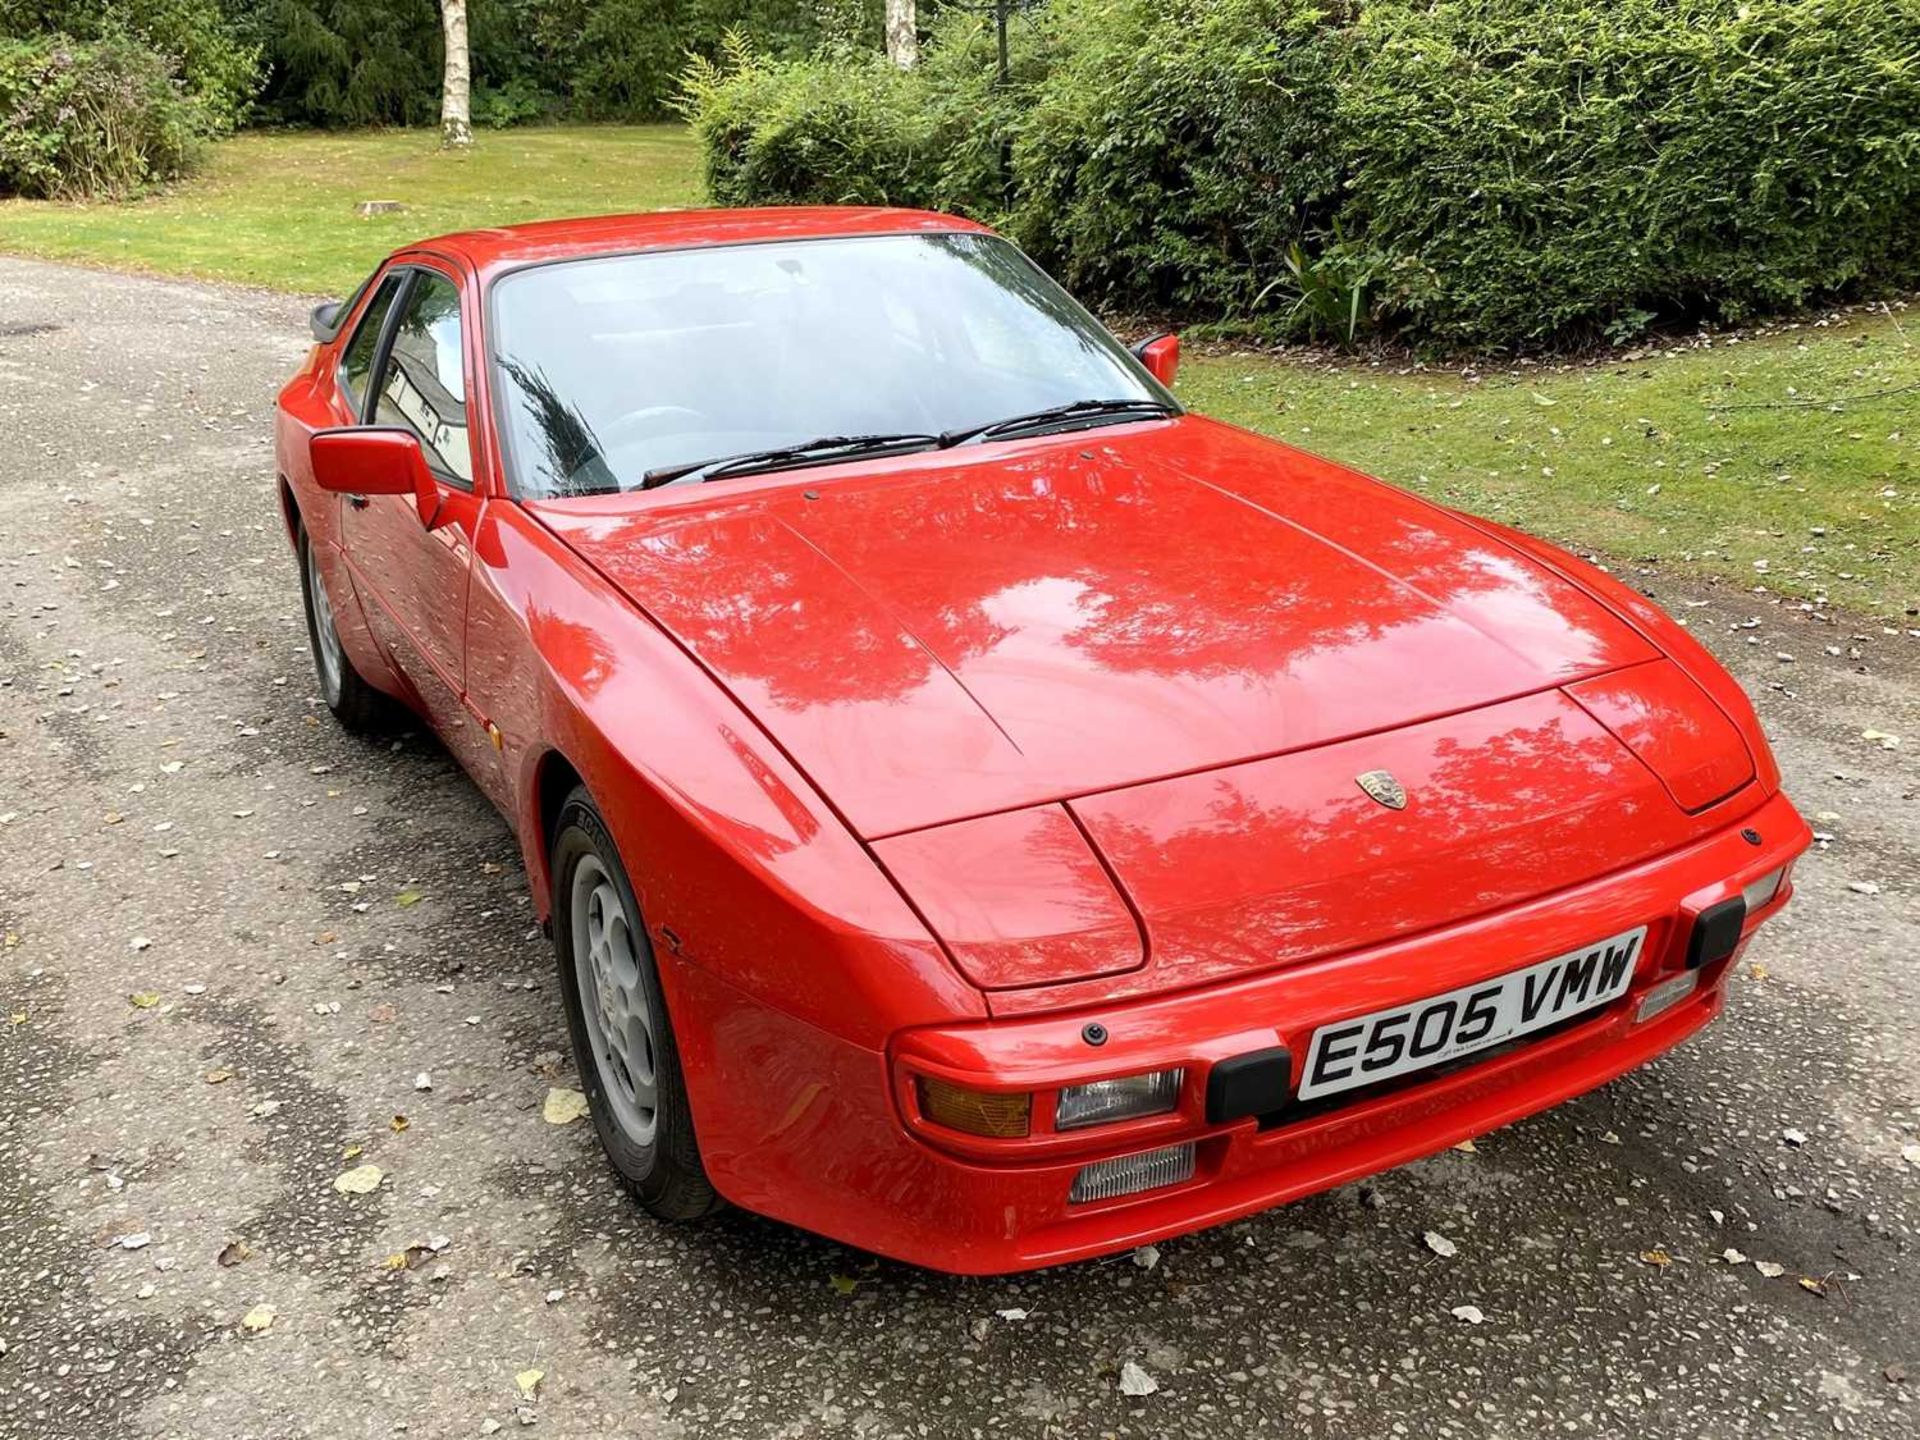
375	460
1161	355
325	320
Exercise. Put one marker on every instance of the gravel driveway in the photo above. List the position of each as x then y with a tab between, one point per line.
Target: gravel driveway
240	946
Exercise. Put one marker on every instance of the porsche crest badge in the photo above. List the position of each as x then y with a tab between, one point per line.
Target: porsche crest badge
1381	786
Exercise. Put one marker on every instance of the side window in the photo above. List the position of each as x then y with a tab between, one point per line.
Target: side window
423	386
358	361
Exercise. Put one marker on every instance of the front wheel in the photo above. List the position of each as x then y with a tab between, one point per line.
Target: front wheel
623	1044
354	703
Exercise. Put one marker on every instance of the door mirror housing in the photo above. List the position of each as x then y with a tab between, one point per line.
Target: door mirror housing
1161	355
325	320
375	460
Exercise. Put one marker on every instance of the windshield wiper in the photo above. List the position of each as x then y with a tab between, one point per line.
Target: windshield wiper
1072	410
806	452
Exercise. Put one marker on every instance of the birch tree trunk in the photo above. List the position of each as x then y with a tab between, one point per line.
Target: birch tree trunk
456	114
903	38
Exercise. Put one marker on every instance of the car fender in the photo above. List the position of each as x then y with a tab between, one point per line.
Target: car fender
1661	630
741	868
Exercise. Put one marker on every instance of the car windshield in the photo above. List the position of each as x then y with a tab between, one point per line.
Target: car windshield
622	367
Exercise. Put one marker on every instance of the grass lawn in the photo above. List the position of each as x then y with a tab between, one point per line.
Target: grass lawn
1634	459
277	209
1628	458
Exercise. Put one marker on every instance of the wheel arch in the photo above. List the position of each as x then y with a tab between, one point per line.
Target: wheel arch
554	778
289	508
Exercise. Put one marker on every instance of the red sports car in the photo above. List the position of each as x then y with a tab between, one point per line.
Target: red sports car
985	813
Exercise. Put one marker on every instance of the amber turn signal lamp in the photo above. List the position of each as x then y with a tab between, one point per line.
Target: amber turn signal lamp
974	1112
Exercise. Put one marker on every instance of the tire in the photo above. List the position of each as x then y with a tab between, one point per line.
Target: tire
611	988
354	703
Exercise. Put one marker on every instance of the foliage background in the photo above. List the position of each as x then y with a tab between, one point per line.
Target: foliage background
1480	173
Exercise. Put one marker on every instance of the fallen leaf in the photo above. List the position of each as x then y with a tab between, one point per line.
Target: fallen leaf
1813	1286
529	1382
398	1124
1659	1259
144	999
1468	1313
1466	1147
352	1152
843	1284
563	1106
1440	1245
258	1319
408	897
361	1180
1135	1381
381	1013
218	1077
1769	1269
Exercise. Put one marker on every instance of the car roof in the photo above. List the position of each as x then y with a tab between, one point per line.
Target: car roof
513	245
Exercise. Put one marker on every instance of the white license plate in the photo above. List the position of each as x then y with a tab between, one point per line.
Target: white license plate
1370	1048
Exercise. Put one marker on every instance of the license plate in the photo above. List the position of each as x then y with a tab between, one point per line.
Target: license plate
1376	1047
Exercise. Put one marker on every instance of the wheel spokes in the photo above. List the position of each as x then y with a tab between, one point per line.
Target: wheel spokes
608	959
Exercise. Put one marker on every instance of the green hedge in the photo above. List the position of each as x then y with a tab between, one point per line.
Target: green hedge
213	62
1481	173
849	128
93	119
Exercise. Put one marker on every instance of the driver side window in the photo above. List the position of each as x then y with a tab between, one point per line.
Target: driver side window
357	362
423	385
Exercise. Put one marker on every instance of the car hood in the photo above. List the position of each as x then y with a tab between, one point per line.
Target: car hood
976	630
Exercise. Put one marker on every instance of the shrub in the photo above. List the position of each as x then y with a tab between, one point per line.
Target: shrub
846	127
518	102
93	119
1481	173
1177	151
214	62
1539	168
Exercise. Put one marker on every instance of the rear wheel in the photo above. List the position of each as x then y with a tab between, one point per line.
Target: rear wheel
623	1044
354	703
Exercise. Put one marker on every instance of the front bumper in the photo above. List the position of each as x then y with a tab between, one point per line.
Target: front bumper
834	1142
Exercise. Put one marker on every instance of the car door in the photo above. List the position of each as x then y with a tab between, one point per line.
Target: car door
413	577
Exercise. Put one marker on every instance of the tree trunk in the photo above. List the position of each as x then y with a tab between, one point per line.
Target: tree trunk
903	34
456	114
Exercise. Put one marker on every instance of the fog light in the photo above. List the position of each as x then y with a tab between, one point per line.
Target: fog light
1666	995
1154	1093
976	1112
1132	1173
1762	891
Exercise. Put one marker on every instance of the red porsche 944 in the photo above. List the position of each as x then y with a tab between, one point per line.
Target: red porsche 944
985	813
